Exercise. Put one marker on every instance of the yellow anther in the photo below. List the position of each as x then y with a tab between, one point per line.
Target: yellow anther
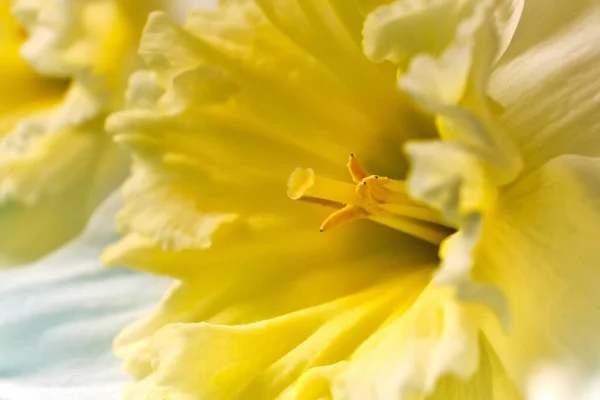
357	172
346	214
378	198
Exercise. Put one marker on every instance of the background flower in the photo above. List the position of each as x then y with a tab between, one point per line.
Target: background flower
66	64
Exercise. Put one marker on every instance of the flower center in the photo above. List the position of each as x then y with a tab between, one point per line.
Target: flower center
377	198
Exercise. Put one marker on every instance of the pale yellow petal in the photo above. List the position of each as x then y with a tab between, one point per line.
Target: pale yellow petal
394	31
448	177
548	81
459	173
412	351
453	86
160	207
92	41
540	249
225	360
315	384
50	183
274	123
489	382
301	277
57	163
508	16
318	335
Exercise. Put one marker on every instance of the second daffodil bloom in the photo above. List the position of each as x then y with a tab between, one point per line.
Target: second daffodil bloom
65	66
425	248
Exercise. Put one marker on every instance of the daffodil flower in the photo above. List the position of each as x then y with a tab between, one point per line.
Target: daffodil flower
64	67
436	240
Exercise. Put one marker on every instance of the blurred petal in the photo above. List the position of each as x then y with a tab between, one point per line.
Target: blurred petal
56	161
549	81
51	180
489	382
22	91
58	318
93	41
562	382
406	19
540	247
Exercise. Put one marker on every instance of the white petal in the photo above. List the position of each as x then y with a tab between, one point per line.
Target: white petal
58	317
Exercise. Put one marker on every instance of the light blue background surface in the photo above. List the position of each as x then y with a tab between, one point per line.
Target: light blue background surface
59	316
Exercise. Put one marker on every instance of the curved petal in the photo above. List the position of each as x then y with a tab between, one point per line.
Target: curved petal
548	81
540	247
310	336
51	180
93	41
489	382
299	267
56	161
453	86
459	173
394	31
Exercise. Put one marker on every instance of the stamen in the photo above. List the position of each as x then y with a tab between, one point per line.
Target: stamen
357	172
378	198
346	214
304	183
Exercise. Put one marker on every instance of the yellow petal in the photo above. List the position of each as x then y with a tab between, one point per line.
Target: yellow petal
93	41
315	383
251	138
22	91
489	382
539	248
453	86
159	206
312	336
394	31
50	183
548	81
449	178
234	98
459	174
411	352
56	161
283	128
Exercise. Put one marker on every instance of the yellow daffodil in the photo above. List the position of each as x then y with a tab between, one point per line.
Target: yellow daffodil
424	227
65	66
